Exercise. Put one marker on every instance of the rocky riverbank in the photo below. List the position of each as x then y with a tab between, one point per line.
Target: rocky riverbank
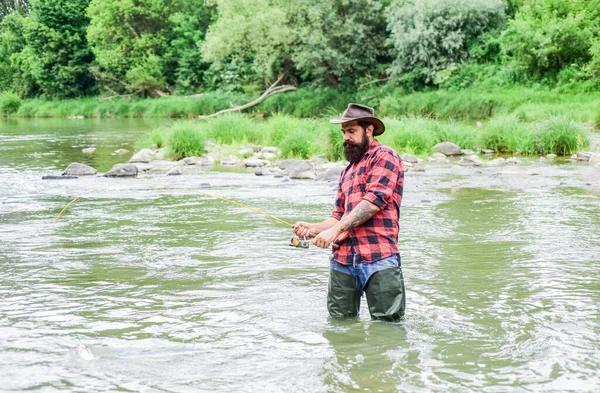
267	161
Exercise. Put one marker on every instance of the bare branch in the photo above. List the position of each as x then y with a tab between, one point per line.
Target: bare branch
273	89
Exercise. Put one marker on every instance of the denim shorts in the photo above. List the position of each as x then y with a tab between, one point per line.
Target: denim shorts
362	271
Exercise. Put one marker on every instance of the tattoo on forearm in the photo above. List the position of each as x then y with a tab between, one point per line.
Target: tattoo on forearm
361	213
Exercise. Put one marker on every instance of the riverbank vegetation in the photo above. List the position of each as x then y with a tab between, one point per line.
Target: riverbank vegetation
309	138
528	69
150	48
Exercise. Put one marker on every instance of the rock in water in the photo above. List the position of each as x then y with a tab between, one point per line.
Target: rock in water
77	169
122	170
60	177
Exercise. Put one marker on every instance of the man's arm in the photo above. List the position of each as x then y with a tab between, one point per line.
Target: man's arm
305	229
358	216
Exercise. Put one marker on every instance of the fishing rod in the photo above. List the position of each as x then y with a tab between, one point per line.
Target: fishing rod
295	242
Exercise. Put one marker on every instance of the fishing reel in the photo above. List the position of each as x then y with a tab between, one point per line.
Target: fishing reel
299	243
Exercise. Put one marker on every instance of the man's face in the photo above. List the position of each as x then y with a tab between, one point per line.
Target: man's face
356	142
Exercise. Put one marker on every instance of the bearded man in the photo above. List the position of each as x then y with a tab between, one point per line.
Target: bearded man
363	228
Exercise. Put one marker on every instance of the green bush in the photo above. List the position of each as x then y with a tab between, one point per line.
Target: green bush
508	135
232	127
185	141
296	144
561	136
547	36
434	35
9	103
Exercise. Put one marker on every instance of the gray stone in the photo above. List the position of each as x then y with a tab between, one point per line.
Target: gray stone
299	169
410	158
267	155
487	151
122	170
144	155
438	155
255	163
496	161
306	175
332	174
61	177
271	149
471	161
246	152
264	171
467	151
121	151
551	156
513	160
297	165
583	156
77	169
190	160
448	149
88	150
230	161
206	161
594	159
255	148
176	170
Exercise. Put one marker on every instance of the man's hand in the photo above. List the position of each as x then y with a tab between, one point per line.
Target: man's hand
326	238
303	229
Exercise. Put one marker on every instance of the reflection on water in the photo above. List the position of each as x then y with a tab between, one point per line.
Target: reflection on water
174	291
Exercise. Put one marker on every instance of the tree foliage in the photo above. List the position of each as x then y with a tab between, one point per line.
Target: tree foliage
432	35
339	40
69	48
47	50
547	36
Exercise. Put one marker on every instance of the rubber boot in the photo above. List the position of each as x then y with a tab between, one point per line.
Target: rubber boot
343	298
385	294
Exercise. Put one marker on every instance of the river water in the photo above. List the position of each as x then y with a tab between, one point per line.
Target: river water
148	288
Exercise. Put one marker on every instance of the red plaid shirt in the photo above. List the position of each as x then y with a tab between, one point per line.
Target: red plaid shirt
378	178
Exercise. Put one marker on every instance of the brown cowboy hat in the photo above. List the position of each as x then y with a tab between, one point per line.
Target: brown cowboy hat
363	113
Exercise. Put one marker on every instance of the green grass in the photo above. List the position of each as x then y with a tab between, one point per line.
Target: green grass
306	138
470	104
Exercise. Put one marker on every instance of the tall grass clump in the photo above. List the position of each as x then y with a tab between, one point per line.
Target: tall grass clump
232	127
506	134
279	126
296	144
410	135
9	103
185	140
334	146
560	135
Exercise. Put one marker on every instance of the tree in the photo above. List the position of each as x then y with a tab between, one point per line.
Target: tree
547	36
12	42
428	36
318	40
56	54
337	40
250	31
129	39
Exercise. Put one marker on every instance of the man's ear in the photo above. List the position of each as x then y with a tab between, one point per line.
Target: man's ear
370	129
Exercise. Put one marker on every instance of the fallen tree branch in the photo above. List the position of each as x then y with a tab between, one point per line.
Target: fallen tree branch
373	81
273	89
124	96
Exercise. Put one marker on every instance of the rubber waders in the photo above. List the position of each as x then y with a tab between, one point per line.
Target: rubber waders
385	294
343	298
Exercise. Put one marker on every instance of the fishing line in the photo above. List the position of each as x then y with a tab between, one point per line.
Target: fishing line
168	186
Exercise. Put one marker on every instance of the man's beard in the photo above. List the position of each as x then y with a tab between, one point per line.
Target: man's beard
355	151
